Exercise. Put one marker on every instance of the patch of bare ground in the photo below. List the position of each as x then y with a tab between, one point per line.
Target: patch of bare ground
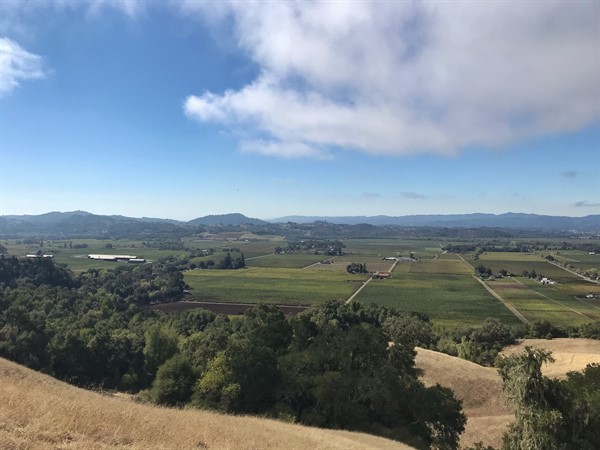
480	388
570	354
39	412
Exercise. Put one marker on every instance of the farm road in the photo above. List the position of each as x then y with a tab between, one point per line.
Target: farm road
262	256
362	286
574	273
555	301
510	307
317	263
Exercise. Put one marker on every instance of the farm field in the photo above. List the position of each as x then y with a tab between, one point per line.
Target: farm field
77	260
589	308
450	300
249	248
271	285
373	263
439	266
438	284
392	247
518	266
536	307
579	260
291	261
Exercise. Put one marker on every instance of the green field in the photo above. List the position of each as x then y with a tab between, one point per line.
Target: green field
77	260
451	300
518	266
439	266
437	283
392	247
291	261
533	306
271	285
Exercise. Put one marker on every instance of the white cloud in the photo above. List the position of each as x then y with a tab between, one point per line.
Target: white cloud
407	77
16	65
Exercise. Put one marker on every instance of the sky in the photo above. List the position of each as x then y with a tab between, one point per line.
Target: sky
180	109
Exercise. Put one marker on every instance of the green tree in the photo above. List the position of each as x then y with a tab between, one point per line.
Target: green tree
550	414
174	382
161	344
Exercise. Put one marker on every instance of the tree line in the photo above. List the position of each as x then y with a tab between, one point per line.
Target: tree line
334	365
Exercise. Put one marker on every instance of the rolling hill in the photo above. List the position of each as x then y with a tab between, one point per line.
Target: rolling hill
480	388
40	412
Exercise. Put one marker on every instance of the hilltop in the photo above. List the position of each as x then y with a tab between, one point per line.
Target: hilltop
41	412
480	388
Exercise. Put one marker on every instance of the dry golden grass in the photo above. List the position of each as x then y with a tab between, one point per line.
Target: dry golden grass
480	388
570	354
39	412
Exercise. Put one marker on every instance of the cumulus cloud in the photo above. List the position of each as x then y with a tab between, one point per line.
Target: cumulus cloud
586	204
413	195
397	78
17	65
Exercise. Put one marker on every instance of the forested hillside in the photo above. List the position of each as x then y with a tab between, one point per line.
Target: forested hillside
334	366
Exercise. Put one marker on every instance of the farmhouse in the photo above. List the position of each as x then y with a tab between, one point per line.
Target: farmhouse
547	281
35	255
381	275
136	260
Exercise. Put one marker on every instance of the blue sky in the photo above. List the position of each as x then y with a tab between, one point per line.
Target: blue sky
183	109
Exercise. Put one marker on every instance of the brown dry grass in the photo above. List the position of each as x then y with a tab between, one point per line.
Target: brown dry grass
39	412
570	354
480	388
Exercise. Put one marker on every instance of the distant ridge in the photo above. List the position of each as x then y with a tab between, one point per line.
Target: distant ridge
506	220
226	219
82	223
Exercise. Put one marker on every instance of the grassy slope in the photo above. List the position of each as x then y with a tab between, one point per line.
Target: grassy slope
480	388
39	412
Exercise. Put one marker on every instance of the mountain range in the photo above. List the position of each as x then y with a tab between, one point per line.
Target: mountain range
507	220
82	223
